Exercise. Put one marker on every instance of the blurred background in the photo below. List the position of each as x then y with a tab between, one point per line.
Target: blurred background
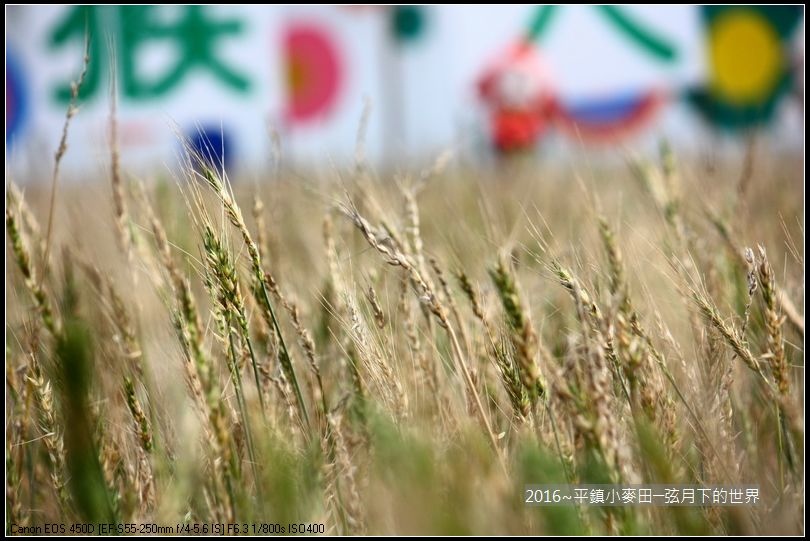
486	82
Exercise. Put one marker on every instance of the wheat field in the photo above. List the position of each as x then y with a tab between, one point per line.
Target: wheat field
346	351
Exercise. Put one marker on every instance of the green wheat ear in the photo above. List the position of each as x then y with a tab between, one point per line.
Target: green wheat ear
90	494
524	337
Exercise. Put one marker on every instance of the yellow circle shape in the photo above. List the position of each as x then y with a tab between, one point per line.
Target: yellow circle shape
746	57
296	76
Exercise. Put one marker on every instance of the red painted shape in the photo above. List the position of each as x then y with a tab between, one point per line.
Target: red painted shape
313	71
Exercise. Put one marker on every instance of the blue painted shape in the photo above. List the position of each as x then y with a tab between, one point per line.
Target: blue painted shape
606	110
16	97
213	145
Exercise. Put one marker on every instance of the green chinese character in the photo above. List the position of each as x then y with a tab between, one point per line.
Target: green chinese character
82	24
194	37
652	44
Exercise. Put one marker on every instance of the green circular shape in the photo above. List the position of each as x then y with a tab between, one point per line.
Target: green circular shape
742	114
407	22
732	117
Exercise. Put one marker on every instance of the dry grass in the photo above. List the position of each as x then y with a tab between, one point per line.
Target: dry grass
404	360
